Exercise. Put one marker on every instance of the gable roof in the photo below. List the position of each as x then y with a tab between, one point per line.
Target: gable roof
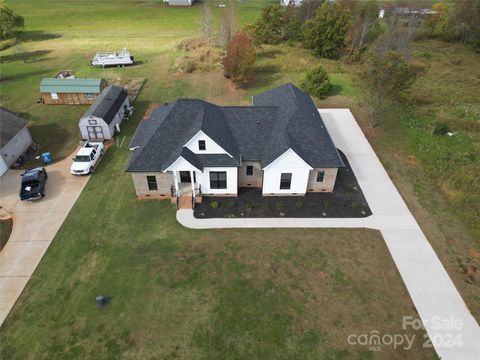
10	125
280	119
161	138
108	103
300	127
52	85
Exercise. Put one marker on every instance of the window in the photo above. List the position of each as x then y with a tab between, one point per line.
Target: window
285	181
218	180
320	176
89	96
92	122
201	145
249	170
152	183
54	96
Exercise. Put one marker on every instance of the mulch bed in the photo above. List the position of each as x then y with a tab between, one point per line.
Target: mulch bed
346	201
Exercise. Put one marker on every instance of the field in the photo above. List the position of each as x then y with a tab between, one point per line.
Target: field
177	293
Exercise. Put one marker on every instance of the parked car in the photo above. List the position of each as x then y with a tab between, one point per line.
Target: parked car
33	184
87	158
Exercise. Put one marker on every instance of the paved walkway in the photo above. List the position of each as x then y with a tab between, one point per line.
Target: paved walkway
34	226
431	289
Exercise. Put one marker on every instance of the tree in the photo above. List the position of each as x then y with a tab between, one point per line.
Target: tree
228	24
307	9
326	33
269	29
438	20
276	24
316	82
387	76
10	22
240	58
365	27
207	22
464	23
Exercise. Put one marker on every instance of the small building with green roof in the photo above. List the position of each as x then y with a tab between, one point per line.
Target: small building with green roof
71	91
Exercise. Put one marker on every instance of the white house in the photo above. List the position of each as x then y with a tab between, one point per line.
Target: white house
105	115
192	148
15	138
291	2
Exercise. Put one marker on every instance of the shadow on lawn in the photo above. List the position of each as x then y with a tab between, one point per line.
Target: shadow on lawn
37	35
26	56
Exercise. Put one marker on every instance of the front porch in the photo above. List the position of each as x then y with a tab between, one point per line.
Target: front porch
186	191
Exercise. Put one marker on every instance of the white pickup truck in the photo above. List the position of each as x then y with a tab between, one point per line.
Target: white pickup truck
87	158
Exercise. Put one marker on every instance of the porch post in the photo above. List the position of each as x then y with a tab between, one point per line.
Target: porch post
176	183
192	182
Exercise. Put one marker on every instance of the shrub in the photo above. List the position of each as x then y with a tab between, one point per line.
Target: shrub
298	204
230	204
317	82
214	204
240	58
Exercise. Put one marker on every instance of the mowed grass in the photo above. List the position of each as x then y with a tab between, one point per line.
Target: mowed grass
220	294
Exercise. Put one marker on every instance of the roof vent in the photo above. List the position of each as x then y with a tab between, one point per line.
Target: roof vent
258	122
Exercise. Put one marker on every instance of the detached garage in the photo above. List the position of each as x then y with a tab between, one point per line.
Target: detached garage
15	138
104	117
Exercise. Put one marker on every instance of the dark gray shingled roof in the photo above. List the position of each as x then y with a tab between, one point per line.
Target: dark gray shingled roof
107	103
10	125
299	127
282	118
161	138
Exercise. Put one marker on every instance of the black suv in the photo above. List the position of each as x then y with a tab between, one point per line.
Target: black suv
33	184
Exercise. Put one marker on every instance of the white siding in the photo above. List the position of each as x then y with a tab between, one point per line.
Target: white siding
16	146
3	167
211	147
232	181
181	165
107	130
288	162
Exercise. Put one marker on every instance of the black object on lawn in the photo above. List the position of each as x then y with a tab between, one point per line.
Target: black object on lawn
101	300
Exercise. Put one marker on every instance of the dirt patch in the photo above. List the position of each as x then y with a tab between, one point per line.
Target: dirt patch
346	201
133	86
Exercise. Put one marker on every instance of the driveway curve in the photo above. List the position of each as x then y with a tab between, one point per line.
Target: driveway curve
451	327
35	225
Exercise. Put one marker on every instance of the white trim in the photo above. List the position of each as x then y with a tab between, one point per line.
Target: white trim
210	144
284	154
180	158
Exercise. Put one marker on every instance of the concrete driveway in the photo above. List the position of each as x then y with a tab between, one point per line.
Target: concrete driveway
451	327
34	226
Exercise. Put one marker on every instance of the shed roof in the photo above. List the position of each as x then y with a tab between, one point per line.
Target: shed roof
10	125
107	104
73	86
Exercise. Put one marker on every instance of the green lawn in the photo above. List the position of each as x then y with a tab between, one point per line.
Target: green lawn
179	293
233	294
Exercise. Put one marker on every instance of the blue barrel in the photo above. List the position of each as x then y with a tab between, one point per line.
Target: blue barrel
47	158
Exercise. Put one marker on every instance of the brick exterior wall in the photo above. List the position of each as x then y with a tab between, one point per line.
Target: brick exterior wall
164	185
328	182
254	180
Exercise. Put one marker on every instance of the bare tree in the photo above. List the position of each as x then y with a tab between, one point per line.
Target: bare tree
228	24
207	22
20	50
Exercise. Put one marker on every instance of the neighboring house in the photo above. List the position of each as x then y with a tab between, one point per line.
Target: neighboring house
15	138
180	2
194	148
104	117
70	91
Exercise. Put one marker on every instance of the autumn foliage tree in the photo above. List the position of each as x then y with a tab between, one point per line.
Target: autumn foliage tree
240	58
